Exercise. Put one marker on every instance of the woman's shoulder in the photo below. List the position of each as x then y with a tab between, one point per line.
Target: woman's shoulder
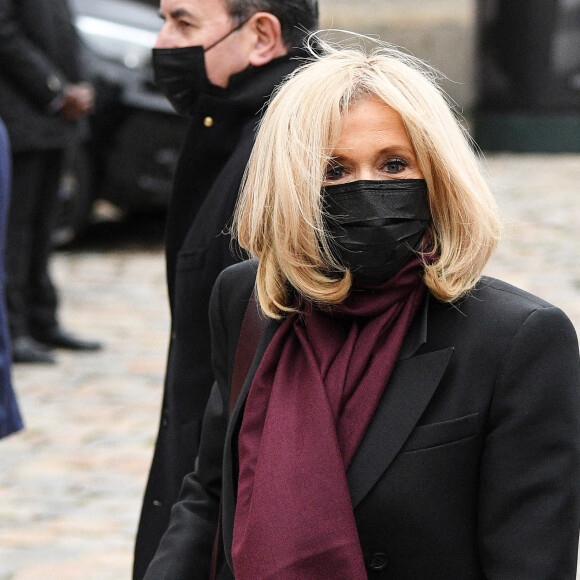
233	288
495	317
494	301
242	274
507	295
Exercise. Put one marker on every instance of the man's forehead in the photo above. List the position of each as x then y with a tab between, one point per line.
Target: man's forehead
179	8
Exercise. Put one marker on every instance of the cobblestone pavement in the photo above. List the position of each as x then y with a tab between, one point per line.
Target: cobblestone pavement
71	483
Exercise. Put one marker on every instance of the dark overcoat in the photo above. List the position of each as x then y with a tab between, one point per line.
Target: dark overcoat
209	173
469	468
38	58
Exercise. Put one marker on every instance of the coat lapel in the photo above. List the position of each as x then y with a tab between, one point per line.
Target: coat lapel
408	392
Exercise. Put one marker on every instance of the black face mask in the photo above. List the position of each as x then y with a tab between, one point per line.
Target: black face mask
375	226
180	73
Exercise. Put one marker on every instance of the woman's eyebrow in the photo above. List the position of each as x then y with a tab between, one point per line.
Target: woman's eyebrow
335	156
394	149
390	150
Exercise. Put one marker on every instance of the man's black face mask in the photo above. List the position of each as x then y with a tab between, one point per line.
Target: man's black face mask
181	75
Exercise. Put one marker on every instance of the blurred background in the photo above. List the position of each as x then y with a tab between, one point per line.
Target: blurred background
511	66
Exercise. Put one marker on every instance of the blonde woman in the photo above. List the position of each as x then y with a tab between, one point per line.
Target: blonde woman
404	417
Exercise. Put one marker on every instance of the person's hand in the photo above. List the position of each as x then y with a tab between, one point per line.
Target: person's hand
79	101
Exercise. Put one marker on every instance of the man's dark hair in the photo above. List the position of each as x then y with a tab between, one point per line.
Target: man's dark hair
297	17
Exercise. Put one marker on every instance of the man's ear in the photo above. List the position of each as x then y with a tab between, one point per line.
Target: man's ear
267	41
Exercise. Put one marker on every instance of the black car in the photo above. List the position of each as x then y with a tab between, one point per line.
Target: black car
130	148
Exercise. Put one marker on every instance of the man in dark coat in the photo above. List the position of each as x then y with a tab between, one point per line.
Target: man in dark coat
41	99
238	50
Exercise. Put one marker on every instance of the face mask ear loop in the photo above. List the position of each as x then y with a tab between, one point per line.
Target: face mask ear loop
228	34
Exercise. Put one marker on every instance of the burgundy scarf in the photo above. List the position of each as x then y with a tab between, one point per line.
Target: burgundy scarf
311	400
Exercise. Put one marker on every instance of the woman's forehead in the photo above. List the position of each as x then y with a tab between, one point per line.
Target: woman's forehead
372	120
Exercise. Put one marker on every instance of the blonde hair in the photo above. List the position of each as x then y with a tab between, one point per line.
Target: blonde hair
279	217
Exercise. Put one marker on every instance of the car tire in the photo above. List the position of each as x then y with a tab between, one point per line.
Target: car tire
75	197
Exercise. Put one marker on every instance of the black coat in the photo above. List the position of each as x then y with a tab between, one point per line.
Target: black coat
38	58
211	166
469	467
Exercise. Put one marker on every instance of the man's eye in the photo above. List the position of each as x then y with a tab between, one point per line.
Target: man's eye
395	165
334	172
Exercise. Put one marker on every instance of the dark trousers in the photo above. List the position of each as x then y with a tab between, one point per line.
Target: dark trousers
30	294
10	419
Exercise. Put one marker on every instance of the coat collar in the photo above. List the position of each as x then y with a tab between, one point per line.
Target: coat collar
411	386
247	91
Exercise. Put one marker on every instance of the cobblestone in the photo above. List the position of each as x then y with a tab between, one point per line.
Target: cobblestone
71	483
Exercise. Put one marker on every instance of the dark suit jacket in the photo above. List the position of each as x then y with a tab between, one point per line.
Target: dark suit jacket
38	58
198	248
470	467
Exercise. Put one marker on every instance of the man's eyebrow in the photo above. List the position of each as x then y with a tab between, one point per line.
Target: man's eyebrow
178	13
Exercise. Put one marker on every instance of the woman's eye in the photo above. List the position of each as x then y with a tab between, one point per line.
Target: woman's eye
334	172
395	165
